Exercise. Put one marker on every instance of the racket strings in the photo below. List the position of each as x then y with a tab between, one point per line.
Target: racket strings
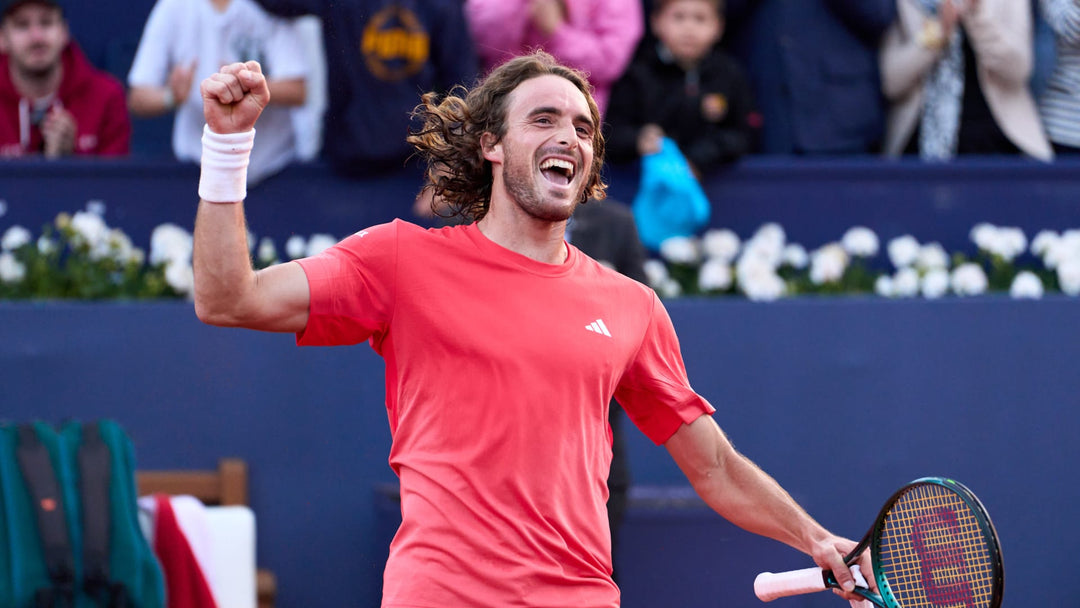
933	551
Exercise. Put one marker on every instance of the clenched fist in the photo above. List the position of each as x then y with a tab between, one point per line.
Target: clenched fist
234	97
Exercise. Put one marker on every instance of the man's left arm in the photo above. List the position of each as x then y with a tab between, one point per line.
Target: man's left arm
742	493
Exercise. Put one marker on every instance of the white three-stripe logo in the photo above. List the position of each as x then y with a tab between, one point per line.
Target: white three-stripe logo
599	327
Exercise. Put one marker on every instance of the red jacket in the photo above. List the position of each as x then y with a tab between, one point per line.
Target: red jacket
94	98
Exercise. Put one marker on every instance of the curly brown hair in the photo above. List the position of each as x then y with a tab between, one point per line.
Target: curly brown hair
449	140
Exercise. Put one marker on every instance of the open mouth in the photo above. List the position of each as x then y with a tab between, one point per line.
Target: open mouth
558	171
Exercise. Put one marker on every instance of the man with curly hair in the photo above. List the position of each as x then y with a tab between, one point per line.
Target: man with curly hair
503	346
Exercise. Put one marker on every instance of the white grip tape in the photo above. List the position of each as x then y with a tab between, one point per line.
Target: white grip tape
225	157
768	586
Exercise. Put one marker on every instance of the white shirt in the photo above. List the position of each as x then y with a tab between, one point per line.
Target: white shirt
179	32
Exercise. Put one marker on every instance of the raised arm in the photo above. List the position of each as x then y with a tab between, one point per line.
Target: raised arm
228	291
746	496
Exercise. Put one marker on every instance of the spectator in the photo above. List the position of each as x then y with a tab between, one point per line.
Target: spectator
957	74
1060	102
813	69
684	87
379	55
186	41
595	36
52	101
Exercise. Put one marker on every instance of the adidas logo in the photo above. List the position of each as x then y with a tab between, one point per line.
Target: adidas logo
598	327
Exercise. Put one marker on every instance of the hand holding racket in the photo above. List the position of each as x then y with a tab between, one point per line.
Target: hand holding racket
932	545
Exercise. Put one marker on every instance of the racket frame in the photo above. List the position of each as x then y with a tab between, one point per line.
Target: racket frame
885	597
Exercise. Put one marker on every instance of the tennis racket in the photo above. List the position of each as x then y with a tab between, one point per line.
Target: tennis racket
932	546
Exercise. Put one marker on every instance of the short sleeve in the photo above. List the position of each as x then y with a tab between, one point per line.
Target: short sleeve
655	391
151	64
352	286
286	58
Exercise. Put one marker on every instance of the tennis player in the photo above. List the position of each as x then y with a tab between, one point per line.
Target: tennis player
503	346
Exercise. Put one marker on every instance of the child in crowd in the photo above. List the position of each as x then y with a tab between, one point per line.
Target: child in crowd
683	86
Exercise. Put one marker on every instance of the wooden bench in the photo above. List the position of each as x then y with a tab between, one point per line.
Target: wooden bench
225	486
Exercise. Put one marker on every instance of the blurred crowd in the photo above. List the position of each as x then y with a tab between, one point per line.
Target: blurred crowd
721	79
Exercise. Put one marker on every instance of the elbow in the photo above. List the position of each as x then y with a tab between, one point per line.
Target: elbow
214	312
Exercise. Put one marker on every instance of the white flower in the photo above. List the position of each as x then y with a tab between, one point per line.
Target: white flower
89	229
968	280
906	283
767	244
295	247
252	241
932	256
11	270
758	279
96	206
1068	273
656	272
180	277
1063	249
765	288
46	246
770	233
883	286
1004	242
3	207
170	243
903	251
1026	285
860	241
1011	242
680	250
267	253
721	244
669	288
1043	241
795	255
827	265
983	235
935	283
120	247
319	243
15	237
715	275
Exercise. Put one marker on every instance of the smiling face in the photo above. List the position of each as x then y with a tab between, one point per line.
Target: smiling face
34	35
544	159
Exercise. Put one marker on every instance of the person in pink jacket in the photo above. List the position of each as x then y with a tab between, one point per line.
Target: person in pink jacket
596	36
956	73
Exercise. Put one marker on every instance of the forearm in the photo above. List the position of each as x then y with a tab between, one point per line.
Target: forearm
288	92
1001	38
147	101
904	62
738	490
221	263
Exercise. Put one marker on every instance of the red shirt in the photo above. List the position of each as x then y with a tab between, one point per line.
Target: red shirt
499	371
95	99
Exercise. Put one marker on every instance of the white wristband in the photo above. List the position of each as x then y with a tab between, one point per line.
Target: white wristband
224	166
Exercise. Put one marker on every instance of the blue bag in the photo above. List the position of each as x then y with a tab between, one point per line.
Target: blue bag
670	201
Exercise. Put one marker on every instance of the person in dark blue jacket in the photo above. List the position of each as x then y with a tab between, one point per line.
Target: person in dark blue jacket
379	55
814	70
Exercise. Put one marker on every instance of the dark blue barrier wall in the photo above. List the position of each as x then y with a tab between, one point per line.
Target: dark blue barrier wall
841	399
815	201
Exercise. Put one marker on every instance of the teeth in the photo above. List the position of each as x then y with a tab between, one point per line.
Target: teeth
558	163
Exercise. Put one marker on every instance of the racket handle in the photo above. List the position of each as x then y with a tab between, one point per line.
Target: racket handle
768	586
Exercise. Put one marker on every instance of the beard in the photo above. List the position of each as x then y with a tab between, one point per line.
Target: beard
523	187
